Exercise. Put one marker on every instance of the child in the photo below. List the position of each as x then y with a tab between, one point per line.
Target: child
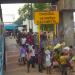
29	59
23	40
33	57
40	59
23	54
48	61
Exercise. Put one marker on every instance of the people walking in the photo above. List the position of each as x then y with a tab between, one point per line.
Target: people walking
23	54
40	59
63	64
33	57
29	60
48	61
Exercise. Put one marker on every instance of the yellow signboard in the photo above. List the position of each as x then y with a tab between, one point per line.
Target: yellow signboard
46	17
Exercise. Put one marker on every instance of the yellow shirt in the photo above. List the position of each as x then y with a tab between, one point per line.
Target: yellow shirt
63	59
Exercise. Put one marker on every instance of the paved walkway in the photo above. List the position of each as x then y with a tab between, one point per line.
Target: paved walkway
12	66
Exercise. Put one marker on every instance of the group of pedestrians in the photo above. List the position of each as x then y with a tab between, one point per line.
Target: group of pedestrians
28	52
45	58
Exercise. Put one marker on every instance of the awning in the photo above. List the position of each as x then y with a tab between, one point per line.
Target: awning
10	26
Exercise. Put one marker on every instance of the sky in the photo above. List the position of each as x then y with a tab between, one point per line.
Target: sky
10	14
10	11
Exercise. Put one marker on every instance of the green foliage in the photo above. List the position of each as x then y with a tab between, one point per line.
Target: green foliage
40	6
23	10
19	21
26	12
47	27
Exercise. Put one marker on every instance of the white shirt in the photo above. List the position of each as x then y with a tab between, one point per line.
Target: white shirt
23	40
30	47
33	52
48	57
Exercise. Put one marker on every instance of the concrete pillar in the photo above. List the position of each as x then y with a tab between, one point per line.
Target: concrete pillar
68	27
66	4
61	27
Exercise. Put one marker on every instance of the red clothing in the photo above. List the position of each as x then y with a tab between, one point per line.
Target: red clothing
30	39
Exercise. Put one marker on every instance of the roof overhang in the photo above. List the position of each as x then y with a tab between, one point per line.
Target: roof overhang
27	1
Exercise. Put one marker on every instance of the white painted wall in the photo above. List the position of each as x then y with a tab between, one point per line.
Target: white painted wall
27	23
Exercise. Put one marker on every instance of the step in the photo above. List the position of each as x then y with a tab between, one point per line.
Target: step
12	59
13	67
12	53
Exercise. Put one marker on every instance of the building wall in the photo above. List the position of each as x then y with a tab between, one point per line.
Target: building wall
66	4
34	26
60	4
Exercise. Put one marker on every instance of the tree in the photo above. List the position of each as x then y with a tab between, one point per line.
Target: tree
26	9
19	21
40	6
26	12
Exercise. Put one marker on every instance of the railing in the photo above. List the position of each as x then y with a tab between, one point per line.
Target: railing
1	54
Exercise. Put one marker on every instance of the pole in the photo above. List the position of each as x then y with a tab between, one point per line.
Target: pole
55	29
28	16
1	13
2	33
31	18
39	34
